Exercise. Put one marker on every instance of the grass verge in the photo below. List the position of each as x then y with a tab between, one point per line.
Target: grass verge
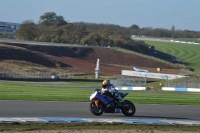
92	126
69	91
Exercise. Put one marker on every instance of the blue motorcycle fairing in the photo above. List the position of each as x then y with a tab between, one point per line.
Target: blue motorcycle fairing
123	94
104	99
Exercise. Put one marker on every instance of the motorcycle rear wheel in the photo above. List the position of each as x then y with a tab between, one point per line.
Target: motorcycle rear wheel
96	110
128	108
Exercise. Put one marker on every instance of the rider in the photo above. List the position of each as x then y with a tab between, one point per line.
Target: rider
107	87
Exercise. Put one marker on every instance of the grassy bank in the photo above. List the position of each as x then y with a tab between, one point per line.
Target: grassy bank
189	53
80	92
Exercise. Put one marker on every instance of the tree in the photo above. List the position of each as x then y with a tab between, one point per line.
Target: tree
134	29
27	31
60	21
173	28
103	32
47	18
51	19
173	32
134	26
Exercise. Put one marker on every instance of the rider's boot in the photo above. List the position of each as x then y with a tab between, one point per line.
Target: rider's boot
108	106
120	100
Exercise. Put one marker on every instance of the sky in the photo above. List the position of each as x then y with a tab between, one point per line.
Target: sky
183	14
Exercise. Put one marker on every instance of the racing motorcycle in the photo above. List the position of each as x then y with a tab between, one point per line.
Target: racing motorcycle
107	103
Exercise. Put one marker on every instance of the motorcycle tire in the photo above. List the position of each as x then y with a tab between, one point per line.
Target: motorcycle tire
128	108
96	110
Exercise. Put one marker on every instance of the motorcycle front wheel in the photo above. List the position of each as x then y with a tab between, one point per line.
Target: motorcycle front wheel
96	109
128	108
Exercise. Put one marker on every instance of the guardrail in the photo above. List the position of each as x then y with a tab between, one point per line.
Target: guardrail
184	42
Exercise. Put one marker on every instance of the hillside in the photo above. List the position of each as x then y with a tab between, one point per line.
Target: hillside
77	60
186	53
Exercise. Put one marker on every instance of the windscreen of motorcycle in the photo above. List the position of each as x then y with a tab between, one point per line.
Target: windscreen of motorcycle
93	95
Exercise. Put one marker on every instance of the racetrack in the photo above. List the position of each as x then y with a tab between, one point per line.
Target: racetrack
81	110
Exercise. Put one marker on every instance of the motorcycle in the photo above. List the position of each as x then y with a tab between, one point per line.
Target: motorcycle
107	103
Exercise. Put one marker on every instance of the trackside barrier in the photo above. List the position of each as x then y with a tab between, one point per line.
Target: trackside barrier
130	88
184	42
181	89
99	120
129	82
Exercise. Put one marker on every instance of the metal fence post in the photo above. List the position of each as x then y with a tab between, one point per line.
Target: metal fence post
167	81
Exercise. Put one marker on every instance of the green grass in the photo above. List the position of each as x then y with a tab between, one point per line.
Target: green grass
45	91
187	52
80	92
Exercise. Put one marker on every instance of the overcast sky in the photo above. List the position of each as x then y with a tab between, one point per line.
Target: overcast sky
183	14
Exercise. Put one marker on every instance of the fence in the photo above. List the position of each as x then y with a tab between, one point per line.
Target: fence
35	75
184	83
118	82
136	82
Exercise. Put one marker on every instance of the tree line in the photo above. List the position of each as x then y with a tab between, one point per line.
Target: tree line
54	28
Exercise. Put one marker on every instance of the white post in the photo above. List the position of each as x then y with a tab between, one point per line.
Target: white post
97	69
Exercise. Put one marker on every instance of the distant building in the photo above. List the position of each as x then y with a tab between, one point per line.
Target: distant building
9	28
6	29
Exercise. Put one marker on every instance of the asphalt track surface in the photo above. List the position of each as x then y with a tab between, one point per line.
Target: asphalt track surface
81	110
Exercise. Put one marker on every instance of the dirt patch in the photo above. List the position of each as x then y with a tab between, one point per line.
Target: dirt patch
111	61
111	56
86	66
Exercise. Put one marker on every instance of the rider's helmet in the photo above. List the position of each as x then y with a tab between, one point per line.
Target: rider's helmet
105	83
